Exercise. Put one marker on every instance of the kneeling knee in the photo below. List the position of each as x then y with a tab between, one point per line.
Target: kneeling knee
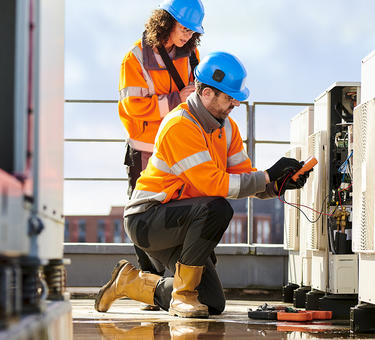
218	308
221	208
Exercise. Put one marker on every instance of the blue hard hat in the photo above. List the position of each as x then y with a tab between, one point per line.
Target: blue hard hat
188	13
225	72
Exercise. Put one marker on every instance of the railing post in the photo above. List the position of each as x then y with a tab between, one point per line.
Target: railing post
250	115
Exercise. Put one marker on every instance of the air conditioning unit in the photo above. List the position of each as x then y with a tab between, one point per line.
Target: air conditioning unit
35	141
364	181
316	188
299	261
291	214
331	190
368	78
13	217
364	197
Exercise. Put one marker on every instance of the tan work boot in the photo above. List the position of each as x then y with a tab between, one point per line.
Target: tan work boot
111	332
188	330
127	281
146	307
185	303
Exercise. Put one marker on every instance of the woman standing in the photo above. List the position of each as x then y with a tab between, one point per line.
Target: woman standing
156	75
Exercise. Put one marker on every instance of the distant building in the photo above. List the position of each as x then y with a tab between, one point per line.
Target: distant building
96	228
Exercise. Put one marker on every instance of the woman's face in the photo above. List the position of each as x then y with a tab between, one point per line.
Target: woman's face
179	36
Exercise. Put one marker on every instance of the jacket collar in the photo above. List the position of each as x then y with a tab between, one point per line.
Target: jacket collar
149	60
205	118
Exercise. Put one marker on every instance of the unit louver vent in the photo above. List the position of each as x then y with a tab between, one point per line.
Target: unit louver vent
316	191
291	214
364	182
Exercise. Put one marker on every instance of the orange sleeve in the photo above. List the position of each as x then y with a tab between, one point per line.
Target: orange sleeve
139	104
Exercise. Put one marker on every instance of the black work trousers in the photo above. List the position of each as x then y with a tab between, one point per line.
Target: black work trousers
136	161
186	231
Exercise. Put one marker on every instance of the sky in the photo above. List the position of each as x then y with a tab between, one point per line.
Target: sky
292	50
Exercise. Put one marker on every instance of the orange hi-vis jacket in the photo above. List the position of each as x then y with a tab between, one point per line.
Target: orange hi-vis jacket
196	155
148	93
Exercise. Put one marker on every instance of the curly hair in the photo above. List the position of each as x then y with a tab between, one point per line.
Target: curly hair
159	27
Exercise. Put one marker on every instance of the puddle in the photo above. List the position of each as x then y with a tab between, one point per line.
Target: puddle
190	329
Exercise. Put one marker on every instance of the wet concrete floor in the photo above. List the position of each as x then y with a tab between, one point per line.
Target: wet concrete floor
125	320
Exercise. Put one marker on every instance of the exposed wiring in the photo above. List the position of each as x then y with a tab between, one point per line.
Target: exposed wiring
342	190
297	206
344	168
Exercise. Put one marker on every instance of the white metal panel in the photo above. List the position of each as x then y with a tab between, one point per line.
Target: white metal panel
368	78
13	216
364	179
316	187
321	116
322	104
21	86
343	274
49	128
291	213
304	123
295	267
366	291
299	269
319	270
306	268
301	127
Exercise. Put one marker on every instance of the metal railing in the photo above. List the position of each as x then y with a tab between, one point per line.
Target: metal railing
250	141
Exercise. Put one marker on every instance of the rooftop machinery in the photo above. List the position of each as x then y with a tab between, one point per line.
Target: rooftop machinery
295	225
363	315
31	171
334	266
324	265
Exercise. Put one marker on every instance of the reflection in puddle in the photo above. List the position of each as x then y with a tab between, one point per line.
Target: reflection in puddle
192	329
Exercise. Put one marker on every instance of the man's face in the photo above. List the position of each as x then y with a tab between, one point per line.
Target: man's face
221	105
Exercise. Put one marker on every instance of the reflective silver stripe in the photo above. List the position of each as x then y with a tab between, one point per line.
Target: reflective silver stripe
186	163
228	132
191	161
186	115
133	91
142	196
163	105
237	158
138	54
234	185
140	146
166	120
160	164
189	68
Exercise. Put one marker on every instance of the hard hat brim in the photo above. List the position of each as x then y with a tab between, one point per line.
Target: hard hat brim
197	29
240	95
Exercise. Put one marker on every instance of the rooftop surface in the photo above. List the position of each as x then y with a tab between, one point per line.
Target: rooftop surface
125	320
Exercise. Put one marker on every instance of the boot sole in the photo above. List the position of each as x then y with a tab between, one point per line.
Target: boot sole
195	314
115	272
149	308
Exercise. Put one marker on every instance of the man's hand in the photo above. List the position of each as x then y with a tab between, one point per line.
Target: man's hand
186	91
283	184
283	167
